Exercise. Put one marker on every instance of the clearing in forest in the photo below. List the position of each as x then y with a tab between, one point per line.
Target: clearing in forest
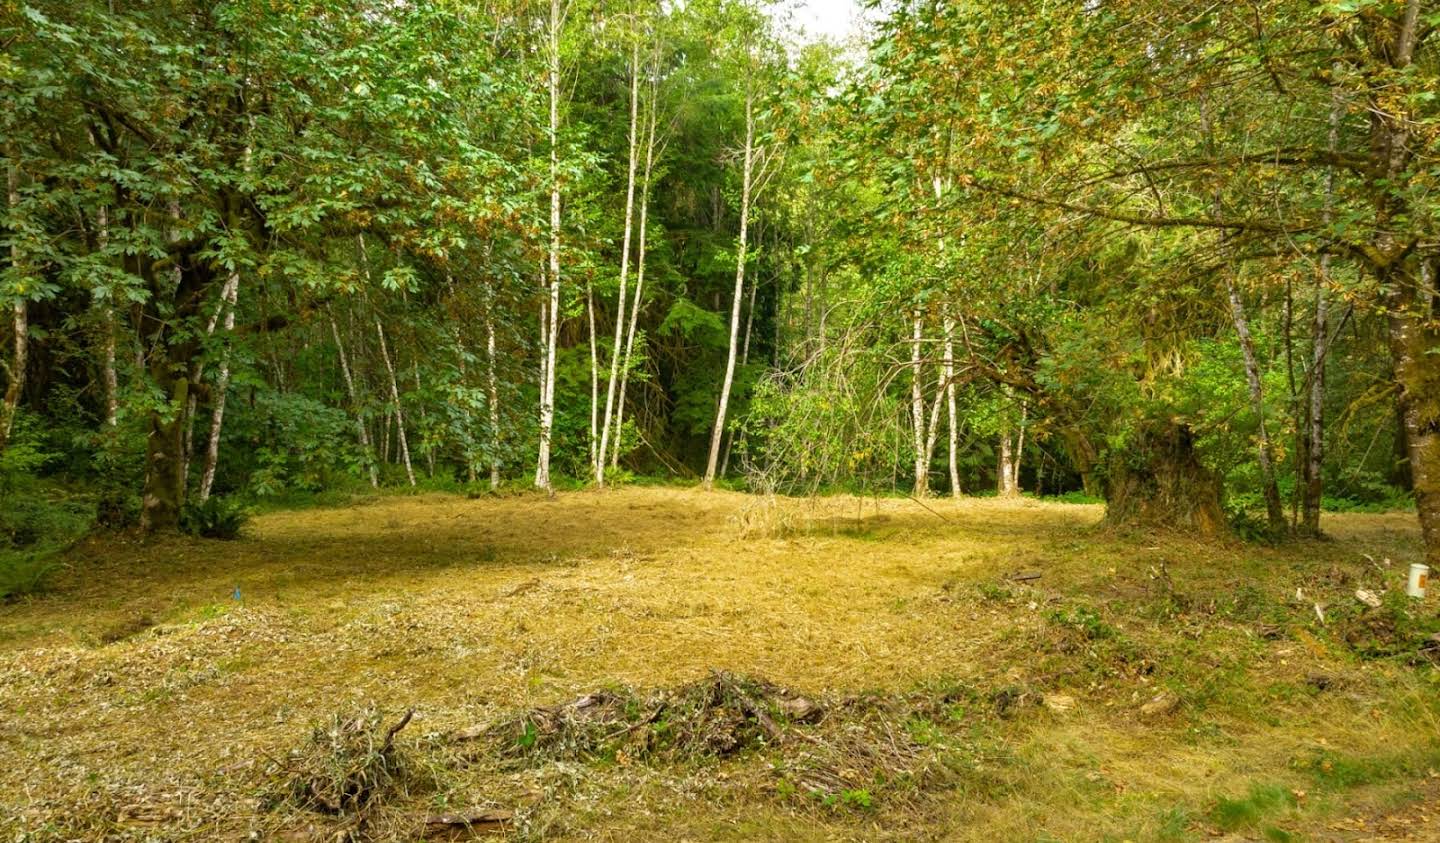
668	664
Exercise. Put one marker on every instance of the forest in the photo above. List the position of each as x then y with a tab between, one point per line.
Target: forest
576	419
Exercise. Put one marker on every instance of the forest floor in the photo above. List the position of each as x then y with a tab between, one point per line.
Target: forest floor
666	664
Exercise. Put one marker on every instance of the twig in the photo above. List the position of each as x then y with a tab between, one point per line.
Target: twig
931	511
394	730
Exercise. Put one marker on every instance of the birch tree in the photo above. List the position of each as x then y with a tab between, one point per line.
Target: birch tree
229	295
953	425
361	430
551	329
749	157
615	353
651	141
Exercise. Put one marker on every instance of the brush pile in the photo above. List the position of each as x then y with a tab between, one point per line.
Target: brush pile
719	716
349	764
830	754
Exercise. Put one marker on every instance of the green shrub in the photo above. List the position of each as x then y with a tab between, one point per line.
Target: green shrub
22	457
1074	496
23	572
1398	500
117	508
37	518
216	518
1084	621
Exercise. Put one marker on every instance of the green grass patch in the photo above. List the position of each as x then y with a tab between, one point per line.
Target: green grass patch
1262	802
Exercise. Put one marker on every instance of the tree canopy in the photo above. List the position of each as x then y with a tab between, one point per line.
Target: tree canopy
1178	256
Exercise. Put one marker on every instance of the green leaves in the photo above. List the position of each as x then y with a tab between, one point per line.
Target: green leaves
688	320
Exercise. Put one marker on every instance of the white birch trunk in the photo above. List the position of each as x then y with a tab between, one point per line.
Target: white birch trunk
395	399
744	361
1312	481
639	277
1005	477
492	391
1019	451
747	171
424	418
749	322
228	296
932	430
1265	450
917	408
599	459
954	429
107	340
350	390
461	352
394	383
547	401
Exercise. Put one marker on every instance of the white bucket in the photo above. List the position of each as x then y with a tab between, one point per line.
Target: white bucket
1419	575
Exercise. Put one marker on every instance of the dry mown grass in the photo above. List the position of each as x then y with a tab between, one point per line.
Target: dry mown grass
1143	687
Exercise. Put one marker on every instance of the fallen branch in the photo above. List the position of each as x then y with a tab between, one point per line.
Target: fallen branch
394	730
928	509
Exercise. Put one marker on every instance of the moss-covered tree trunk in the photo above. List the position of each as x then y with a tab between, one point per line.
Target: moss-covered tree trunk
168	321
1415	345
1160	482
164	491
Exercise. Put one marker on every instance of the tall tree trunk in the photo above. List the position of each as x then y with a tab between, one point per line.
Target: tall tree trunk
11	405
740	256
492	390
932	430
593	440
1159	481
107	339
360	428
917	406
1012	450
399	410
544	335
464	444
164	491
953	426
1019	450
171	363
744	361
222	386
107	365
1265	452
395	400
424	420
1411	302
634	138
197	370
21	319
547	400
1414	345
1005	469
749	321
1312	480
639	272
